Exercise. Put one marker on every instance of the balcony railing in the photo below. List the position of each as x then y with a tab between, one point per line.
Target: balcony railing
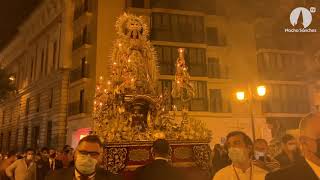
77	108
79	11
79	73
223	106
218	72
198	69
80	41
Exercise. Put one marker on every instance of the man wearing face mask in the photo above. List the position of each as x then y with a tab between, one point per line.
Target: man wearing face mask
24	168
308	167
290	151
240	150
261	157
87	157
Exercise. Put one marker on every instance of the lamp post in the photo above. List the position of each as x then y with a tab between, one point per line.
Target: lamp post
261	91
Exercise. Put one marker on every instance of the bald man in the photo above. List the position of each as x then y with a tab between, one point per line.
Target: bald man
308	168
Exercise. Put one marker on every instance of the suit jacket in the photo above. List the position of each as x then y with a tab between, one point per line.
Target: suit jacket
68	174
158	170
298	171
43	168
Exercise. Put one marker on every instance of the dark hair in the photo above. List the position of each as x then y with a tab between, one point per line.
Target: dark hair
261	140
247	140
90	139
161	147
44	149
11	153
29	149
286	138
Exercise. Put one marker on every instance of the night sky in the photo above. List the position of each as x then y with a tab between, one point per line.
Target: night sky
12	14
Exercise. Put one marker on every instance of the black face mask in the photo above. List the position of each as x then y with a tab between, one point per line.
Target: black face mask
317	153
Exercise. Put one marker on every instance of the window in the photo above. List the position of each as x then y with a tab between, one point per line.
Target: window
216	100
38	102
212	36
54	55
288	99
166	56
49	133
81	105
42	62
1	142
196	59
213	68
199	101
3	116
138	3
31	72
51	98
9	141
16	139
25	137
27	106
85	35
46	61
83	67
177	28
35	137
11	114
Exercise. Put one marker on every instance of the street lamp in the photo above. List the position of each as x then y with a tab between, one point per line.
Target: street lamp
240	95
261	91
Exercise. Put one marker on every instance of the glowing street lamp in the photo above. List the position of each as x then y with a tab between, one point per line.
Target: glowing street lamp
240	95
261	90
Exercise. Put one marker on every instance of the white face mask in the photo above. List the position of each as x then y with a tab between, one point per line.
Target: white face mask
237	155
292	147
85	164
258	154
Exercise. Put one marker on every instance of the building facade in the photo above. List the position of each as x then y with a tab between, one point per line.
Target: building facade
64	47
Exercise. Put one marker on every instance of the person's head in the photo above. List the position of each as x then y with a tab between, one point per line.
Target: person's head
239	147
310	136
289	143
260	148
45	152
52	153
160	148
29	154
12	156
88	154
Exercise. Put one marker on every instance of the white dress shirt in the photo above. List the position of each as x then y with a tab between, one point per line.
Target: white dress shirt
228	173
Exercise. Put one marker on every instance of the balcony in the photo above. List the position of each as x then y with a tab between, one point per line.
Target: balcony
198	70
78	108
207	6
79	11
79	73
80	41
223	106
218	71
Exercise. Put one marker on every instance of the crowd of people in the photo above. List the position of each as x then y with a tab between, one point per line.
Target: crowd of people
239	158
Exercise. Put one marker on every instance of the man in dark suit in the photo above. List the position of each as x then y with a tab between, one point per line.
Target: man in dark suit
160	168
308	168
54	163
88	155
